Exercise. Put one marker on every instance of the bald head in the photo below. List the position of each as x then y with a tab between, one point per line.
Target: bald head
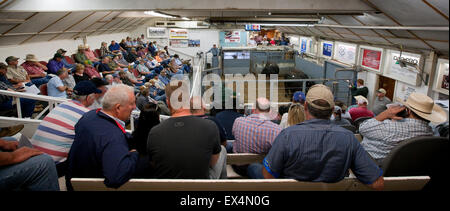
262	105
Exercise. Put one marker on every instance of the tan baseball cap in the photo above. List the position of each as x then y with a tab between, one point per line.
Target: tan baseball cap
320	92
381	90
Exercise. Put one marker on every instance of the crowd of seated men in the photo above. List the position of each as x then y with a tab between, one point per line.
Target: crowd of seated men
135	63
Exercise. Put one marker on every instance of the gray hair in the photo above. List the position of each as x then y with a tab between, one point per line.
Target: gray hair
80	98
117	94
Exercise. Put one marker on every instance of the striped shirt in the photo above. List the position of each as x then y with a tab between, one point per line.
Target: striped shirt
381	137
254	134
54	136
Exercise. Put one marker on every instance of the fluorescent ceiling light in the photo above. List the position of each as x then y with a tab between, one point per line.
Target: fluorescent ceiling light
184	18
157	14
282	24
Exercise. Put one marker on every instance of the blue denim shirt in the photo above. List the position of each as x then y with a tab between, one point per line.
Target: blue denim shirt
319	151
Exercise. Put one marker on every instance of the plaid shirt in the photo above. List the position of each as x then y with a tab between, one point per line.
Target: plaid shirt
254	134
381	137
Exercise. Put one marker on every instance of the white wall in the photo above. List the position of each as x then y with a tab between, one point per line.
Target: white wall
45	50
207	38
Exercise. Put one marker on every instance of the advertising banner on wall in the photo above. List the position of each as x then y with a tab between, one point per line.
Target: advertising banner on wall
406	74
178	43
303	45
327	49
194	43
442	82
178	34
371	59
153	32
233	37
345	53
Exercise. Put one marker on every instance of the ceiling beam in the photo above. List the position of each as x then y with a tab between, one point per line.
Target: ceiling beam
435	9
82	30
29	38
116	25
132	24
73	25
347	29
112	19
398	23
380	35
26	19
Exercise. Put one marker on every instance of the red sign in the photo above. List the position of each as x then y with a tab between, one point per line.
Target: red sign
371	58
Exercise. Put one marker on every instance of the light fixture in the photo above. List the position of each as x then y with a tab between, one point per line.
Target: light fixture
270	13
157	14
186	19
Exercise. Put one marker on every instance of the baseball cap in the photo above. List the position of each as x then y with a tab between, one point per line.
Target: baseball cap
382	90
85	88
361	99
61	51
299	96
320	92
11	58
58	55
99	82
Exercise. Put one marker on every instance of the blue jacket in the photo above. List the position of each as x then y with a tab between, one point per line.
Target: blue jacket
100	150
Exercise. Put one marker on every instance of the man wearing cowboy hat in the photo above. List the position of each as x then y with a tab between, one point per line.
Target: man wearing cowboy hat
379	105
400	122
35	70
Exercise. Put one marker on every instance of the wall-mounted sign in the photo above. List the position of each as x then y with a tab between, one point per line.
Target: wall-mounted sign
178	34
345	53
253	27
194	43
178	43
327	49
233	37
303	45
371	59
441	83
406	74
153	32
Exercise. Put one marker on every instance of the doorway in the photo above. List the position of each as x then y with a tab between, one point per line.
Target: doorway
388	84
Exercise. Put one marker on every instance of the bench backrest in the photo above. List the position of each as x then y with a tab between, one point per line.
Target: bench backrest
347	184
244	158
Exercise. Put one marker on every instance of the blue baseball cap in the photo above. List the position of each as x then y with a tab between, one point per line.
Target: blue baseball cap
299	96
85	88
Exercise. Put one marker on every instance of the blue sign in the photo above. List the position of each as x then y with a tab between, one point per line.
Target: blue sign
253	27
327	49
303	46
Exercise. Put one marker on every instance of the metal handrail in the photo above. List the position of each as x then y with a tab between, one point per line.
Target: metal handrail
52	101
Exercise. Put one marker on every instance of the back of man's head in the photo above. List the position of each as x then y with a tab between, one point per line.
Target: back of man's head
320	102
197	105
262	105
118	94
61	71
180	89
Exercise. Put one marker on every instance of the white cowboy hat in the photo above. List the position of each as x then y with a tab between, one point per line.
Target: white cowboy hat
424	106
31	58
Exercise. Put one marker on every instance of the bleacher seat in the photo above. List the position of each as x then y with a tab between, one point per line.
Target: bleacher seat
43	89
97	53
73	57
43	63
347	184
69	60
420	156
350	127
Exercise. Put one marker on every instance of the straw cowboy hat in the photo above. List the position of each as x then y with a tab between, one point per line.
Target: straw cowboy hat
31	58
424	106
81	47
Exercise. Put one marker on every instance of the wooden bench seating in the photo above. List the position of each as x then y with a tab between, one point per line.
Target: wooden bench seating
347	184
